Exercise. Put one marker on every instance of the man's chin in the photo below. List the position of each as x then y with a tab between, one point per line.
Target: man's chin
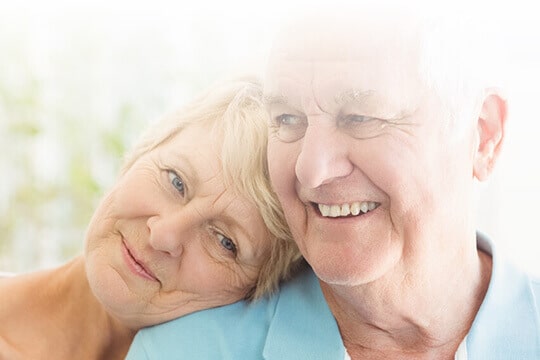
347	272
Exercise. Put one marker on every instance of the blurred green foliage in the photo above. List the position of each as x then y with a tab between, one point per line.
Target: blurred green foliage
78	83
59	153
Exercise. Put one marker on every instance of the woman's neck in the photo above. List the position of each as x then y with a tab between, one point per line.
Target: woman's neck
54	313
422	317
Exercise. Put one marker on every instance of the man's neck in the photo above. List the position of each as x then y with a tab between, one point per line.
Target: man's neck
424	316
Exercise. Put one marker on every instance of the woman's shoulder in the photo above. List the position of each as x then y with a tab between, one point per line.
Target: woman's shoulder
7	351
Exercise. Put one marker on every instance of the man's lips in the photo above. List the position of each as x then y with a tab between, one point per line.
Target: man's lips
135	265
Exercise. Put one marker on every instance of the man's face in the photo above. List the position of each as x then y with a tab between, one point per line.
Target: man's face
369	174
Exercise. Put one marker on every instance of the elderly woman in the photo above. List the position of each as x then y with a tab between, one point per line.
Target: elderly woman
190	224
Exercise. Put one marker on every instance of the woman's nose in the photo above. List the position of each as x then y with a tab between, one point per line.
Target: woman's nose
170	232
323	157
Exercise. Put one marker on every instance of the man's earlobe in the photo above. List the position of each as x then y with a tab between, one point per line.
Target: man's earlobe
491	130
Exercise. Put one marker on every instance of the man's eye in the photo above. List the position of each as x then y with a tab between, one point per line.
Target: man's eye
356	118
287	119
176	182
290	128
361	126
227	243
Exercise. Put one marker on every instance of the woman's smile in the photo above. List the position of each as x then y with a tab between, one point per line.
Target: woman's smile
136	267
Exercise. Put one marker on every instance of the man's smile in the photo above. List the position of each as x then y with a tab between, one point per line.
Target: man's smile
347	209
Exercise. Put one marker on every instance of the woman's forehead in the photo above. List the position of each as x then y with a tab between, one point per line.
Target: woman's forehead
195	152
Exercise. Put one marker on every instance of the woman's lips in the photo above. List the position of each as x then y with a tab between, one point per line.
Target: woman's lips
135	266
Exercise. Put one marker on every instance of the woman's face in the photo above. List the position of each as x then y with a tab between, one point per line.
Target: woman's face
171	239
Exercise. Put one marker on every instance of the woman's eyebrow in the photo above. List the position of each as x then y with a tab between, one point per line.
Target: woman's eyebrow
179	159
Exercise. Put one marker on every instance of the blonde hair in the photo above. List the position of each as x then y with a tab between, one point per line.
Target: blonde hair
235	111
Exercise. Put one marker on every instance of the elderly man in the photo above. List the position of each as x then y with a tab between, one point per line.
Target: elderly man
379	130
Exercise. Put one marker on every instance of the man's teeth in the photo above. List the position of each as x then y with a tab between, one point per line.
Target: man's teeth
355	208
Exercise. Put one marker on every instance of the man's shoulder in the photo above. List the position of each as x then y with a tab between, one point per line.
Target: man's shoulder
226	332
507	324
232	329
535	287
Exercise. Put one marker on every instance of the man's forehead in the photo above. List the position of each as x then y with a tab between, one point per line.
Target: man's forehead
373	69
388	90
344	34
324	55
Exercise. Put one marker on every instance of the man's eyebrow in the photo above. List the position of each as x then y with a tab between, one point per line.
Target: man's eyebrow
274	99
352	95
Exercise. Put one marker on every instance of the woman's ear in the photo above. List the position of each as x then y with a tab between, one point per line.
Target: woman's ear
490	133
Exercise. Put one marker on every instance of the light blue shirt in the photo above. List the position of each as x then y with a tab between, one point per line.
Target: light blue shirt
296	323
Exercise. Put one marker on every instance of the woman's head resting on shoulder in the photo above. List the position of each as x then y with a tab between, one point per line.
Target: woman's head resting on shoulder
192	222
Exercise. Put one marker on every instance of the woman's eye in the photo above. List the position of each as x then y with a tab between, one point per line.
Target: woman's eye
227	243
176	181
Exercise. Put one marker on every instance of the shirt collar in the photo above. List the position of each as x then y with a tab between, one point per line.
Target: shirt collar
303	326
507	322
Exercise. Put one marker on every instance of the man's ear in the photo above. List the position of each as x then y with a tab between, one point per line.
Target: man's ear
490	133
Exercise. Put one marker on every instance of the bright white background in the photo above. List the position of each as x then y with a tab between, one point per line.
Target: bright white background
79	80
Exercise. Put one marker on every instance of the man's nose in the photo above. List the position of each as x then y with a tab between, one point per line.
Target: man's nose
323	157
170	232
